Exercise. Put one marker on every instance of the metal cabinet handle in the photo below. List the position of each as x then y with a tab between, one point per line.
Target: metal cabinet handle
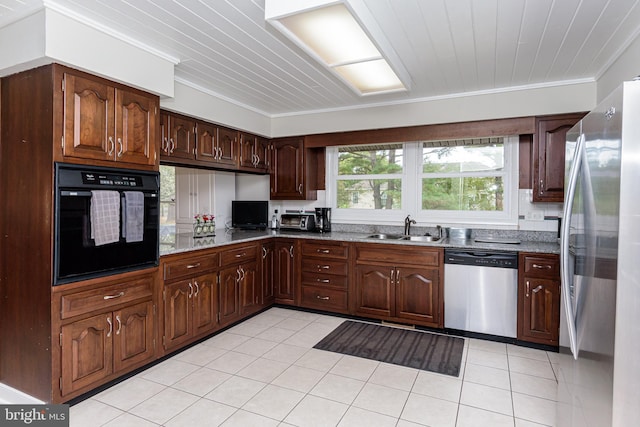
118	295
323	280
196	265
291	251
220	152
243	254
397	276
300	188
164	146
119	325
323	251
264	252
391	274
190	290
323	267
172	145
110	326
527	293
112	146
195	283
120	147
542	266
537	289
322	298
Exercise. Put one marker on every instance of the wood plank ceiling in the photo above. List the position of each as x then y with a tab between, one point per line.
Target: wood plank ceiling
449	48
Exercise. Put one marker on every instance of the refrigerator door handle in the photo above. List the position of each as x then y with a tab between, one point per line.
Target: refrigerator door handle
564	245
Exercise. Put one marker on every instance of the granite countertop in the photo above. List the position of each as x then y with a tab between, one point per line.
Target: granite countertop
185	242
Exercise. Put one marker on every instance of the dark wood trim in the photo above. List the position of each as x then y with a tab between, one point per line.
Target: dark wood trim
482	128
524	169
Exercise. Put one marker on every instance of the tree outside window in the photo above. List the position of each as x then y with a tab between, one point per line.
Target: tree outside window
369	177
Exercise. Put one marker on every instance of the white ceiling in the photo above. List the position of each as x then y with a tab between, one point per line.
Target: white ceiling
448	47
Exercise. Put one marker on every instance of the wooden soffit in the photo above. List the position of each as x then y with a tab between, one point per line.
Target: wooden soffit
445	131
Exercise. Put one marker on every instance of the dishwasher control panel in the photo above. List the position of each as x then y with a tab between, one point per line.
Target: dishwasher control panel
482	258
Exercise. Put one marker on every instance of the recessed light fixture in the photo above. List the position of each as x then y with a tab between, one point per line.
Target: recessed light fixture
333	36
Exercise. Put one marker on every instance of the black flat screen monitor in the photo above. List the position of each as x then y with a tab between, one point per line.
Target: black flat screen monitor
250	214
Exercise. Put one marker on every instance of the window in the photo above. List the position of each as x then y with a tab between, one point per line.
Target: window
463	175
436	182
370	177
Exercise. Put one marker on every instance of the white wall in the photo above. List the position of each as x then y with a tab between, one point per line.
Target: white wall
626	67
48	36
580	96
201	104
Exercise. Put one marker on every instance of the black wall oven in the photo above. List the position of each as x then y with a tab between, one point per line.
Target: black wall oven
107	221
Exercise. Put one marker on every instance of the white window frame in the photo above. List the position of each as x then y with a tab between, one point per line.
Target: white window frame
411	194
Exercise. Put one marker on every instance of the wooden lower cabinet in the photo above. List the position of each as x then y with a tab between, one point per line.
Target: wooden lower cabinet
229	295
267	270
539	299
190	309
324	276
94	348
399	284
250	288
286	271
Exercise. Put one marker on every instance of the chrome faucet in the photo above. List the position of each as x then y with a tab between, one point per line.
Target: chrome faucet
407	225
439	230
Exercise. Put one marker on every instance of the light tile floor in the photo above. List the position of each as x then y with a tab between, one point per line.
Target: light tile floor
264	372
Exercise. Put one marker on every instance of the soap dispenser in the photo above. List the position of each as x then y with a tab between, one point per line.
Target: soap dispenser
274	220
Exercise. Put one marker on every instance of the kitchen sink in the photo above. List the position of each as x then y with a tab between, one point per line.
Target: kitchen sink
432	239
386	236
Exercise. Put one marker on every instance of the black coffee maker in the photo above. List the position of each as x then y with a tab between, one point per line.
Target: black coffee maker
323	220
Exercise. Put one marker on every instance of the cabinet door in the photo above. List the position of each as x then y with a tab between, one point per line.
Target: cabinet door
88	119
86	352
205	303
375	294
540	314
178	325
207	142
229	303
135	127
250	288
182	137
287	172
548	158
133	338
247	151
417	294
262	151
267	268
228	146
285	272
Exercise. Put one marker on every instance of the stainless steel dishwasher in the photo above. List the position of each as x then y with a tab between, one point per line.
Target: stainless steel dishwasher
481	291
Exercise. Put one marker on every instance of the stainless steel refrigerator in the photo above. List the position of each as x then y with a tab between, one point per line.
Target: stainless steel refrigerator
599	363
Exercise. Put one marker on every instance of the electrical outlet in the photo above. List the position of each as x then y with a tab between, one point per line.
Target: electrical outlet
534	216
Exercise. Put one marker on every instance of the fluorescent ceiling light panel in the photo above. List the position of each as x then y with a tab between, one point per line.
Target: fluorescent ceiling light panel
371	76
333	36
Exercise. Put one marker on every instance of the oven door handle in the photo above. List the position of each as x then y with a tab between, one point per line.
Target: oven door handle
75	193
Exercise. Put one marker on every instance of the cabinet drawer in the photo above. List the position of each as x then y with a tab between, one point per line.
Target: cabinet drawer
322	298
190	266
399	254
105	297
321	279
326	266
542	266
325	249
238	255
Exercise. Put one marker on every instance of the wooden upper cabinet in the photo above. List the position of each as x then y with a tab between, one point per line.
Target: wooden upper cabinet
548	156
102	121
178	136
293	170
227	146
254	153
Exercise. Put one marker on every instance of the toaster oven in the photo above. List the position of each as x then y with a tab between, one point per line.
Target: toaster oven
298	221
